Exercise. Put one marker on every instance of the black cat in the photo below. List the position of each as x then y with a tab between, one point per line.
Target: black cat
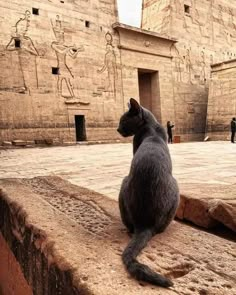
149	195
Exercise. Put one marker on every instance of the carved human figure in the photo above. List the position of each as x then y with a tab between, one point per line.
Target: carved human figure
188	66
194	13
110	64
178	61
208	28
230	30
62	51
223	29
220	15
231	20
26	50
203	68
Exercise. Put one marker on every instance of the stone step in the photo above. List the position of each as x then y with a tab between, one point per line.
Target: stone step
208	205
69	240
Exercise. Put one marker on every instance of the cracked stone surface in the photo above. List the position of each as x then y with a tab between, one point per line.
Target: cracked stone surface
88	243
205	171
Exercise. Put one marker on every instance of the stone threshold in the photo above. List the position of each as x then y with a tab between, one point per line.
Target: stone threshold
69	240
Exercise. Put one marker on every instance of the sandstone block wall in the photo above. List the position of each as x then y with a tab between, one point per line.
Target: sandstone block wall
206	34
144	52
58	59
222	100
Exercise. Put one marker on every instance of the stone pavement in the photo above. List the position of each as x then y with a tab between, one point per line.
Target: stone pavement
102	167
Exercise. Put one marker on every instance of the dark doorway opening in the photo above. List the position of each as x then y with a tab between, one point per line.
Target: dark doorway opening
149	91
80	128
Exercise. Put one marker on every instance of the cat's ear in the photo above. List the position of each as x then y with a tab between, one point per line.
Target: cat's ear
134	106
128	104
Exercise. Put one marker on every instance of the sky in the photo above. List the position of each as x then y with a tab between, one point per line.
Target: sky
130	12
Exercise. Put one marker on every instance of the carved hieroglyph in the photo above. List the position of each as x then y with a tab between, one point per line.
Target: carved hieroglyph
178	62
203	68
27	54
188	66
110	65
62	51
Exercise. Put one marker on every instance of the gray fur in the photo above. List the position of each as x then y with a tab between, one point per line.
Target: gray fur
149	195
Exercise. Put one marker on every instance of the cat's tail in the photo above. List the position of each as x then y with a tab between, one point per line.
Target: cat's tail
141	271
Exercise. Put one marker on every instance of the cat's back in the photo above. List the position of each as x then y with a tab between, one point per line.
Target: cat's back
152	156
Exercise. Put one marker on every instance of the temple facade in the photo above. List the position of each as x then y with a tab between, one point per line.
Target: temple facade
68	68
60	73
221	100
206	34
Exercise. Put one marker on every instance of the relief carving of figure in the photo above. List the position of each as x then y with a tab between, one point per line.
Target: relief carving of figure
178	61
195	16
231	28
208	28
203	68
223	29
110	64
231	23
27	53
62	51
188	66
177	6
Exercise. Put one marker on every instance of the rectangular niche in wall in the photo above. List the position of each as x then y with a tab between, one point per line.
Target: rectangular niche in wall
186	9
35	11
55	71
17	43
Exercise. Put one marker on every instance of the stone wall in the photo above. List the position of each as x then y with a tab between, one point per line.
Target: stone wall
12	280
58	59
32	268
143	52
206	34
222	100
62	59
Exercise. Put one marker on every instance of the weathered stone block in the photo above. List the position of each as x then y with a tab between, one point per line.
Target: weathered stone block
19	142
46	220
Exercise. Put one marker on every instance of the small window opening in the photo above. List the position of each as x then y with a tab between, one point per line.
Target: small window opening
62	1
17	43
55	71
35	11
87	24
186	9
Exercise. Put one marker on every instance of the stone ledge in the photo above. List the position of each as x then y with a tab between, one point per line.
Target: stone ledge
208	205
68	240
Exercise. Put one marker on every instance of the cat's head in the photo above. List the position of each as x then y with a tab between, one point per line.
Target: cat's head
135	118
132	120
